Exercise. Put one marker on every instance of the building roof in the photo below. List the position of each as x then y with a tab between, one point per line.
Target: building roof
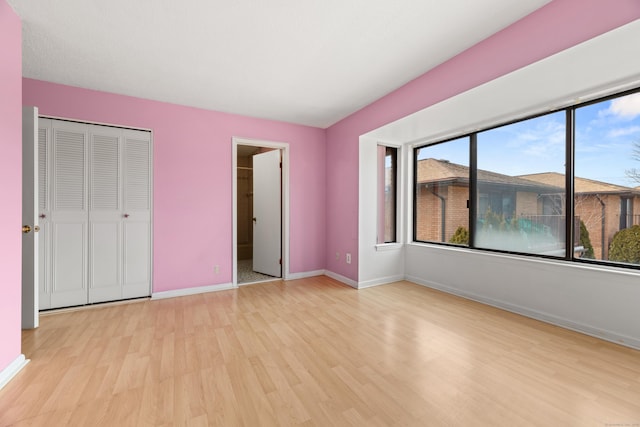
443	171
582	185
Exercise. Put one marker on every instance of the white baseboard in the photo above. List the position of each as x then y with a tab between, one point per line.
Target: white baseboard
305	274
342	279
192	291
380	281
534	314
12	370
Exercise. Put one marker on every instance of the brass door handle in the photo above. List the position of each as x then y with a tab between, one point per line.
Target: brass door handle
26	229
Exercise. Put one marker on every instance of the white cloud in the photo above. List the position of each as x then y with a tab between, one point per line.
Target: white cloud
614	133
627	107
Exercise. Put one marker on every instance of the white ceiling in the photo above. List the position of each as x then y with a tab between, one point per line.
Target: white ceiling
310	62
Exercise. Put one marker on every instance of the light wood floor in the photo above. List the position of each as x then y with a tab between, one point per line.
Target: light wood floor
313	352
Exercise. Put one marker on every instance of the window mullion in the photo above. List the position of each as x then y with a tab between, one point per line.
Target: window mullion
473	187
569	189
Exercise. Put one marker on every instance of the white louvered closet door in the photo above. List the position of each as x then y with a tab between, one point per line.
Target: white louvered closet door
137	213
69	218
95	213
105	214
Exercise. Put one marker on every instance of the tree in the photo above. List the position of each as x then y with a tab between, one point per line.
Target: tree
460	237
625	246
634	173
585	242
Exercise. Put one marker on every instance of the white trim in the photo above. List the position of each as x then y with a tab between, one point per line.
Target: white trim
341	278
274	279
12	370
192	291
559	262
91	122
533	314
389	247
305	274
284	147
380	281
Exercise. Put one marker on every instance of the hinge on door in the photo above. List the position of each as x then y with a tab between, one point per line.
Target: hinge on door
280	165
280	261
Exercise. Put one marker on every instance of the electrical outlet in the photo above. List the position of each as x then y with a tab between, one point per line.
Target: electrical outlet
216	269
348	258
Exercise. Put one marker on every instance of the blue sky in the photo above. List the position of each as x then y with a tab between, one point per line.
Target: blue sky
605	133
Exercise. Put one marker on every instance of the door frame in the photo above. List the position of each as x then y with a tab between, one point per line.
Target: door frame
284	149
151	189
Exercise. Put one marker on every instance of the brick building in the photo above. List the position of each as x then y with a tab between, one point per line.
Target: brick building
442	194
604	208
533	203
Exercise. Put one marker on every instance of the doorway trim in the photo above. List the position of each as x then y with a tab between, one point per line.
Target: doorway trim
284	147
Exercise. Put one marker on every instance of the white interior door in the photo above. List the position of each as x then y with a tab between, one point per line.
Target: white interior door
267	213
95	213
105	214
30	252
69	216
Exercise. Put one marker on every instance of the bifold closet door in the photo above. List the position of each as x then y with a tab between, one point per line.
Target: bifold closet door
95	213
119	214
63	215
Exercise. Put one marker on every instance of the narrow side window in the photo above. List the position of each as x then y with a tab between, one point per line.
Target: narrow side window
387	194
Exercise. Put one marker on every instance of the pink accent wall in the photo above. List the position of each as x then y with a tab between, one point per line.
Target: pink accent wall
10	184
192	179
551	29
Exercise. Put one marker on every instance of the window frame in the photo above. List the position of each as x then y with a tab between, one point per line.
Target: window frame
570	124
397	202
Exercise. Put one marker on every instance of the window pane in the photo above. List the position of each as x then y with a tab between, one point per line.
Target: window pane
607	179
387	193
521	187
442	192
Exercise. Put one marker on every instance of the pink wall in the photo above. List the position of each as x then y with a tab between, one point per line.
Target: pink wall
551	29
192	179
10	184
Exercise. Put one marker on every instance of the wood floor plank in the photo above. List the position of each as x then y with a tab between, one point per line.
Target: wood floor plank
313	352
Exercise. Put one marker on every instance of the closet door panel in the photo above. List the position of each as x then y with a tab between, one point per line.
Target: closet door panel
69	263
69	217
105	214
106	259
137	214
137	253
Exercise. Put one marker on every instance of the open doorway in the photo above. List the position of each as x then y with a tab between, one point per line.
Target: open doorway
260	209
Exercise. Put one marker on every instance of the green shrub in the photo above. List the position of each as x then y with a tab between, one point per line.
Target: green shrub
460	237
625	246
585	242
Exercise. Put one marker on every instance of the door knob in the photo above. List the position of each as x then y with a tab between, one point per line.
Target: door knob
26	229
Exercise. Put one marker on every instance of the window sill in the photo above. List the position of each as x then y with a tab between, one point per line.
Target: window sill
388	247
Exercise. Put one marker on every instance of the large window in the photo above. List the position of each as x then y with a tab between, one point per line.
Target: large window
521	186
607	178
509	188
